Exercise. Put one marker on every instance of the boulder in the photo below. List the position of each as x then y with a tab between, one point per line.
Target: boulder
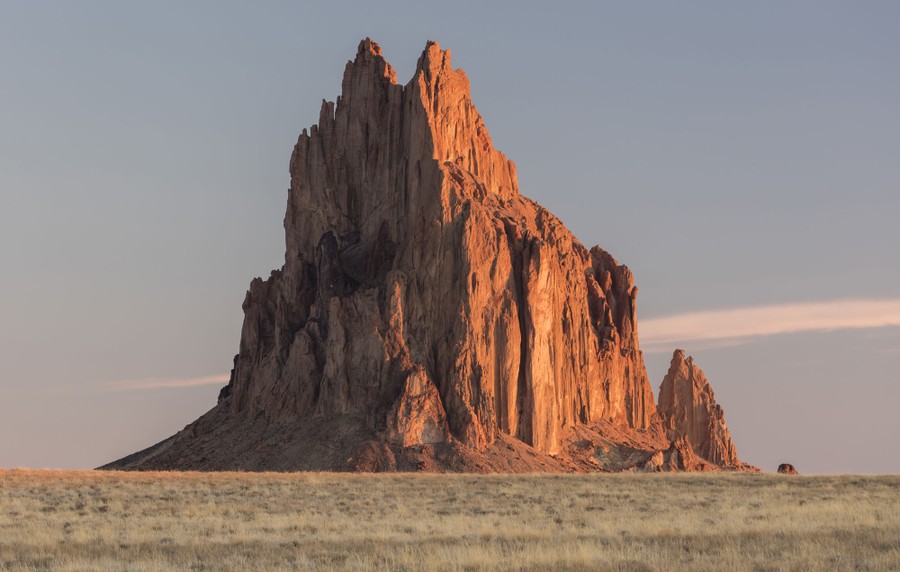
786	469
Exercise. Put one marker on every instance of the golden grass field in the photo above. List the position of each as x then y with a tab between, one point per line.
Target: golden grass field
53	520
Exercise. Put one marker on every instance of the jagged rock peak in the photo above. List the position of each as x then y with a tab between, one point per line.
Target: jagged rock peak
429	315
369	53
433	58
400	190
367	45
688	408
393	158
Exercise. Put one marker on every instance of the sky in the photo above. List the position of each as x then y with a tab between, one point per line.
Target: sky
743	159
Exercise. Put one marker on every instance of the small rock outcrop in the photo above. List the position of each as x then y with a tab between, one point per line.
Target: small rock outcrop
786	469
428	316
688	409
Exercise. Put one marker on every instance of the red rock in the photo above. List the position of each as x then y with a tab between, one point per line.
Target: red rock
786	469
688	409
402	198
680	457
424	300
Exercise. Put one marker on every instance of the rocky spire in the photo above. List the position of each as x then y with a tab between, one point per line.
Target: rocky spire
401	196
688	408
424	305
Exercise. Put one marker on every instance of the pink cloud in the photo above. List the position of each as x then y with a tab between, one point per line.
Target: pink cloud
163	382
722	327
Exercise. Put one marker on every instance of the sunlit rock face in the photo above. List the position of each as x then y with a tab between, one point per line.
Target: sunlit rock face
688	409
410	249
427	314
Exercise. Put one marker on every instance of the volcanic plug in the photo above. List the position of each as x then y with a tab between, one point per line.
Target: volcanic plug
428	316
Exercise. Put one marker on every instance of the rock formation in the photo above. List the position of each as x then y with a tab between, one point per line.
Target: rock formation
427	315
786	469
688	408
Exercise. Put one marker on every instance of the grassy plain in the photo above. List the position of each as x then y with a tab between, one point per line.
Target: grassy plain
53	520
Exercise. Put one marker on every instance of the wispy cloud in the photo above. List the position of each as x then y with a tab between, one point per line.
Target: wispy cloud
162	382
138	384
722	327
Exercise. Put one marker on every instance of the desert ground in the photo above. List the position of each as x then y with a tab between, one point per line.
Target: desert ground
55	520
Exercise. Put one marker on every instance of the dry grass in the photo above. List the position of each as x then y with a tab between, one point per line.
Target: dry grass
233	521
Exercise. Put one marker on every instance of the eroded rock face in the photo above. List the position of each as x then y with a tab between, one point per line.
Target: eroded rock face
409	248
688	409
417	416
678	457
427	314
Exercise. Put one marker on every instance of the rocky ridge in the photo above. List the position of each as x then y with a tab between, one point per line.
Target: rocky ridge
430	317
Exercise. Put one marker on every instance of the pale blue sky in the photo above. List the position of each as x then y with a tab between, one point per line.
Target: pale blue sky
733	155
